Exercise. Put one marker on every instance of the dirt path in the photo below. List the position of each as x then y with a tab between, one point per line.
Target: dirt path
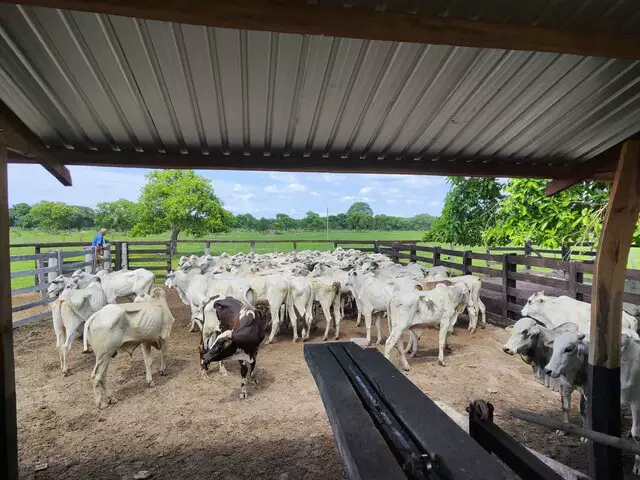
190	428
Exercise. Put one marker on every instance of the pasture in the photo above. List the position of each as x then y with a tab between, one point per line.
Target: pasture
188	427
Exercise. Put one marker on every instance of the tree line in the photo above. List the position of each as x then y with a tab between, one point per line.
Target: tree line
484	211
182	201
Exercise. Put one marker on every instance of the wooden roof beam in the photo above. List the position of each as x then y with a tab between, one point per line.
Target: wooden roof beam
601	167
330	18
23	142
316	163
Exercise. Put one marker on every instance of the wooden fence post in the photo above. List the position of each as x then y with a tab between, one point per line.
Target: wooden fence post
573	277
507	283
60	261
488	253
52	261
37	251
295	246
335	245
394	253
565	253
252	246
413	254
40	278
467	261
436	256
376	246
579	280
90	257
106	262
118	256
124	258
169	259
207	248
527	252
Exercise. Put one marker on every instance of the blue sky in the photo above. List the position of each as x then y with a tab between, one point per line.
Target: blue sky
258	193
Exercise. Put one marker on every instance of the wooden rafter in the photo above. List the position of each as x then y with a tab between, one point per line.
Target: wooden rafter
330	18
600	167
23	142
312	163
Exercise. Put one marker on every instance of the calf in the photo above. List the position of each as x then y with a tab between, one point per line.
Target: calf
529	340
123	327
242	333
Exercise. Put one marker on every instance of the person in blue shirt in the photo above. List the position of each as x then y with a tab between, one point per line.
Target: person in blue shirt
98	242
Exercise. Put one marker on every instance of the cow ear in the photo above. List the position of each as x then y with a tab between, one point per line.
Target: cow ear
534	331
549	343
567	327
581	336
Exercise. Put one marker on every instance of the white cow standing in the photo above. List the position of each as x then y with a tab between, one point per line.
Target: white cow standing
124	327
70	311
121	283
554	311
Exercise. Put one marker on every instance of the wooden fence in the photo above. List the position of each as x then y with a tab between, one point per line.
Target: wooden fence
48	266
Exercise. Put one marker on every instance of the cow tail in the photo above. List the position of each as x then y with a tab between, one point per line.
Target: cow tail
389	315
86	332
337	288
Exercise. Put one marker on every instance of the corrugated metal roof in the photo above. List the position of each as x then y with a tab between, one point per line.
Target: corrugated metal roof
90	81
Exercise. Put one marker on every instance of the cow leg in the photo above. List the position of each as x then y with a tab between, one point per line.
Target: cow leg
412	344
442	341
337	314
254	362
294	322
146	353
394	337
102	396
163	355
565	397
275	322
245	372
583	414
367	324
64	351
223	370
635	431
483	312
326	310
378	317
473	318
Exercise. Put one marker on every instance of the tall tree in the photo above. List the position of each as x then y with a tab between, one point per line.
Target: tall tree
180	201
17	214
313	221
526	213
361	207
120	215
285	222
245	221
360	221
49	215
469	207
81	217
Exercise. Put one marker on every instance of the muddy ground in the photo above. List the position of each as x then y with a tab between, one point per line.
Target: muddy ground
190	428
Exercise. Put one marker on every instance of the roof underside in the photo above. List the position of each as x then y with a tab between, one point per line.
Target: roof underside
94	82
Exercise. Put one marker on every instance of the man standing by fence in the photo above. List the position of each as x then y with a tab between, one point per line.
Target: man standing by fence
98	242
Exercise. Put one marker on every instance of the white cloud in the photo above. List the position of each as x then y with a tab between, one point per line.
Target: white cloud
391	200
270	189
245	197
314	194
296	187
411	201
365	190
237	187
347	198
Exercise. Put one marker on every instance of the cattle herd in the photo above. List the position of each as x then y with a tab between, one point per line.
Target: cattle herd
239	301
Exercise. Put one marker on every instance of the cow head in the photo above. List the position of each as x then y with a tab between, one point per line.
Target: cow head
570	353
524	336
216	350
534	305
56	286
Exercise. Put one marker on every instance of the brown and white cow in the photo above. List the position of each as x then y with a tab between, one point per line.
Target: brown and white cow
242	330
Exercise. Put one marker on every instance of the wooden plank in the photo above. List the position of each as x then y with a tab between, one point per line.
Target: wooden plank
362	447
31	319
506	249
424	259
491	286
517	293
539	279
27	306
452	253
498	319
32	288
69	267
428	424
75	253
455	266
632	274
540	262
606	310
8	424
585	267
281	161
514	307
490	272
26	273
362	22
148	267
404	255
37	256
148	250
421	248
162	259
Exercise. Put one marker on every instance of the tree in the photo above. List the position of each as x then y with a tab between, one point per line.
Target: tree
49	215
360	221
422	221
180	201
469	207
246	221
338	222
120	215
569	217
313	221
362	207
285	222
81	217
17	214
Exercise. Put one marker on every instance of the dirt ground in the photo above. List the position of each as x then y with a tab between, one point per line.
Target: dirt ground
187	427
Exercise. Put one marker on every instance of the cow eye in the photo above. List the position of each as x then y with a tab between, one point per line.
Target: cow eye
525	332
569	349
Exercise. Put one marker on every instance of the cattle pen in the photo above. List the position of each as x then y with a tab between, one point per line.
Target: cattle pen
421	88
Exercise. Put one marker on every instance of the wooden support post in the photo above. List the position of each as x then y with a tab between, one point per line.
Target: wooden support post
169	259
207	248
335	245
565	253
376	246
8	424
60	262
394	253
527	252
106	263
579	279
606	311
36	250
507	266
295	246
118	265
125	255
40	278
467	261
413	254
252	246
436	256
573	277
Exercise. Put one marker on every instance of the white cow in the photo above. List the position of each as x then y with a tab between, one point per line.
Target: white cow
373	295
570	358
124	327
326	292
474	304
553	311
412	309
300	305
70	311
120	283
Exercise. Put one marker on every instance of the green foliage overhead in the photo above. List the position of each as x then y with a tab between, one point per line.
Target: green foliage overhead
120	215
570	217
361	207
469	207
180	201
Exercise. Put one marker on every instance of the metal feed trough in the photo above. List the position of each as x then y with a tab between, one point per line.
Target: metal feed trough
386	428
